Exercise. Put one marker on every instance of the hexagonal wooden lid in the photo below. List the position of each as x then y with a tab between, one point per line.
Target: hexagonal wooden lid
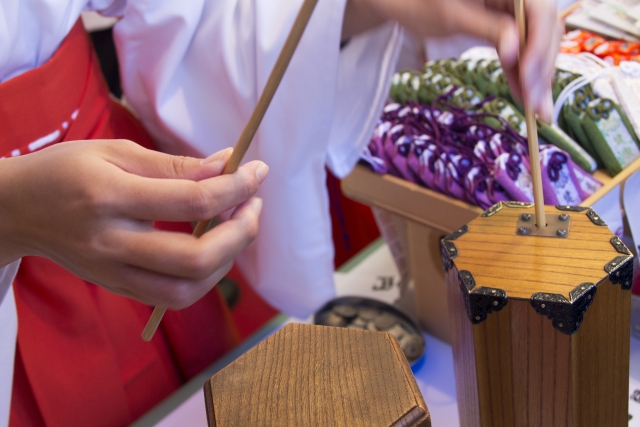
307	375
497	258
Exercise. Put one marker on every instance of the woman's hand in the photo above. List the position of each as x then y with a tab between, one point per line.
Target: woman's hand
90	207
492	20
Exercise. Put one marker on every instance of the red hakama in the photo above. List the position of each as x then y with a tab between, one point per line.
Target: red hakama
80	359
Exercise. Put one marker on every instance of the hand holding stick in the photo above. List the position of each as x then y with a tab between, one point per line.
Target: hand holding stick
251	127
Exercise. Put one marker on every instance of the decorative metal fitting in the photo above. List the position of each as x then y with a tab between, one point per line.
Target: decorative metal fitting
517	204
620	247
449	252
566	315
479	302
620	270
558	226
492	210
595	218
459	232
571	208
448	248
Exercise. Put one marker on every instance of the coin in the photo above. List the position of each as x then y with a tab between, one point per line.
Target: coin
412	346
332	319
346	311
368	313
397	331
385	321
352	326
358	321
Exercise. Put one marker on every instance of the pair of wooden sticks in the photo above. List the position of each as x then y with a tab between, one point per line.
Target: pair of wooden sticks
272	85
251	127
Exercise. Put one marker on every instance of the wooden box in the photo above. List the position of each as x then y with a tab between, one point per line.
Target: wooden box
308	375
540	324
428	216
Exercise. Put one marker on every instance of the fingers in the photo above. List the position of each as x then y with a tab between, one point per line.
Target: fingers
185	256
157	289
531	80
538	61
183	200
508	47
137	160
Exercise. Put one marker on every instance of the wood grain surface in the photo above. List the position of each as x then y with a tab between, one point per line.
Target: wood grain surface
523	265
428	280
600	360
514	368
307	375
464	358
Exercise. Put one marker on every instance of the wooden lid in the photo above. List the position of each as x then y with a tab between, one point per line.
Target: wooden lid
497	257
307	375
522	265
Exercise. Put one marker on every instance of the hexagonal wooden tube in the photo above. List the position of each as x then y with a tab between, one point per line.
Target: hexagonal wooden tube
518	368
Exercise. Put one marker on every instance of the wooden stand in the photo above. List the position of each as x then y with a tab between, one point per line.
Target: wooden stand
429	217
540	325
307	375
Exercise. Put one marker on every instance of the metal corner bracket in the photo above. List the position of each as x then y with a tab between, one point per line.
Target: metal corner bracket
571	208
492	210
566	315
620	246
595	218
517	204
620	270
479	302
449	252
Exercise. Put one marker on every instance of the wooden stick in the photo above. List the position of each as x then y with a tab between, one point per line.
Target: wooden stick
532	130
568	11
251	127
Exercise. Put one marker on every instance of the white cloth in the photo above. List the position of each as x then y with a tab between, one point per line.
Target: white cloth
196	82
8	333
194	71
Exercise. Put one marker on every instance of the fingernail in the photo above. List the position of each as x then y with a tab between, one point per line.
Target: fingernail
261	172
509	46
256	205
220	155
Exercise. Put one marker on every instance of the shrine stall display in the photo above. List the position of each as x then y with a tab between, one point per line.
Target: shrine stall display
454	128
540	318
308	375
612	19
452	142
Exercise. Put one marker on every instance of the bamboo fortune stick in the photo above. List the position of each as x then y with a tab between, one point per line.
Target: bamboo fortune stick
251	127
532	130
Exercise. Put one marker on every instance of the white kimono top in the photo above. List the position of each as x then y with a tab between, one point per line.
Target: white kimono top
193	70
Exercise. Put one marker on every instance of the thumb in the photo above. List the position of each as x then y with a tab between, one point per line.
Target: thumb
140	161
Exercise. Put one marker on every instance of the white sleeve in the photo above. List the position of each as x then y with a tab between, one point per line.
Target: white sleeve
8	334
194	70
366	65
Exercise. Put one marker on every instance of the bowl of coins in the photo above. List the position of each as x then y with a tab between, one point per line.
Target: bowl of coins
373	315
